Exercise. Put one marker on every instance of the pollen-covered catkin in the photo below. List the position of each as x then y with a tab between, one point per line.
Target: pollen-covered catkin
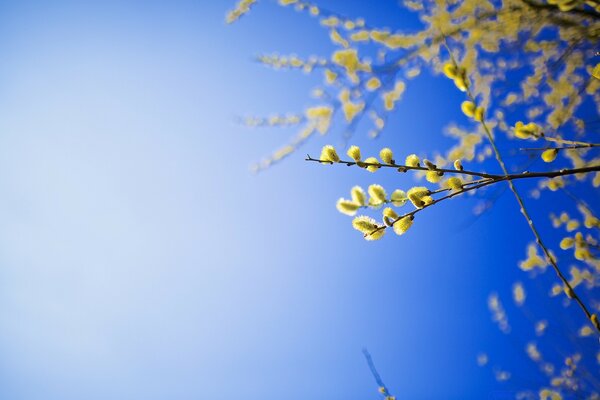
347	207
368	227
354	153
528	131
364	224
433	176
374	167
468	108
412	161
358	195
390	213
398	198
386	155
549	155
416	195
377	194
453	183
403	224
329	154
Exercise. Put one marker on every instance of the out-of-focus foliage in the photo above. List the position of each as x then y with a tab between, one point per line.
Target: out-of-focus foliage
526	70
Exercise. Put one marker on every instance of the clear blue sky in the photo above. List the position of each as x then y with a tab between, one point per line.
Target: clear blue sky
139	258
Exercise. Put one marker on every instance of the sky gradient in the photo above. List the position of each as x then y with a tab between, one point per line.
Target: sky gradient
140	259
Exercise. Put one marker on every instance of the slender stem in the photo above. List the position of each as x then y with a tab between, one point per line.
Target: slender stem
569	142
575	146
383	389
495	177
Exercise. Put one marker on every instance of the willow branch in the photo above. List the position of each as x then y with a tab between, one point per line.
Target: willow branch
495	177
569	142
575	146
523	209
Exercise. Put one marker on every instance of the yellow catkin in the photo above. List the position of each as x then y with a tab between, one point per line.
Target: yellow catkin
595	322
549	155
453	183
458	165
389	215
364	224
402	225
479	114
377	194
398	198
373	84
372	168
328	153
450	70
347	207
567	243
368	227
386	155
354	153
416	195
412	161
528	131
427	200
358	195
433	176
468	108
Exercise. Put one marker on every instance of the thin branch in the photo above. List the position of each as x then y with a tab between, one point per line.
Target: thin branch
495	177
569	142
575	146
382	388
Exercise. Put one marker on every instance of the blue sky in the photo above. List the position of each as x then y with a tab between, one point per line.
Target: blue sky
141	260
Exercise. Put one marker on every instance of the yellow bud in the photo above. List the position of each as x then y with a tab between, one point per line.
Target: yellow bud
390	213
403	224
454	183
412	161
329	154
368	226
528	131
569	292
358	195
468	108
458	165
416	194
595	322
596	71
450	70
364	224
567	243
429	164
354	153
386	155
398	198
461	82
373	84
330	76
433	176
377	194
347	207
427	200
372	168
479	114
549	155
